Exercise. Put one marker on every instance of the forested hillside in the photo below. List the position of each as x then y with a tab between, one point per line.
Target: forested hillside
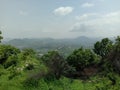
44	45
83	69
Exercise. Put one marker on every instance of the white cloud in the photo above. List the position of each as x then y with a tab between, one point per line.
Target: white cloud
63	11
113	14
23	13
103	25
86	16
85	5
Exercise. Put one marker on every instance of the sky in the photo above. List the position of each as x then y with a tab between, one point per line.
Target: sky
59	18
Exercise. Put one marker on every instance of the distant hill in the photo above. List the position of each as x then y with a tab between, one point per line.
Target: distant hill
46	44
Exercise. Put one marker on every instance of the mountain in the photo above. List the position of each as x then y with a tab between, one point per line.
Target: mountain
45	44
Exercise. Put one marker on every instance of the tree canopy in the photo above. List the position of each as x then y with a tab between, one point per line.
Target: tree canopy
55	62
7	51
103	47
82	58
1	36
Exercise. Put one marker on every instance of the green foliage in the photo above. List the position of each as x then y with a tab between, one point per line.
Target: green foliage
103	47
82	58
114	56
28	51
30	67
0	36
6	51
23	70
94	83
117	44
31	82
55	63
11	61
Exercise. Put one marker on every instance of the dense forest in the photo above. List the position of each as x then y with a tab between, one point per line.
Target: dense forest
83	69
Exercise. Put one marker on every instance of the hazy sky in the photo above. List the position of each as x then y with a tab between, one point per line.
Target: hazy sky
59	18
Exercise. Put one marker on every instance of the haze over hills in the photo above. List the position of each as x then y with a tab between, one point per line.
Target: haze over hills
46	44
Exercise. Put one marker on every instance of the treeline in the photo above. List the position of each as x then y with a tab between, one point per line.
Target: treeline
26	68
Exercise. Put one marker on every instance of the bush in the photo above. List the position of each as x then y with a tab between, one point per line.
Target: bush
31	82
103	47
6	51
82	58
30	67
55	63
11	61
113	58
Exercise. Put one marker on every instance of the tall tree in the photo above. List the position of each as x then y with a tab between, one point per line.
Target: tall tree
55	63
103	47
114	56
0	36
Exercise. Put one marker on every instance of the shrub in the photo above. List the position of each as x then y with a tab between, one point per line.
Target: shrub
31	82
6	51
11	61
55	63
82	58
103	47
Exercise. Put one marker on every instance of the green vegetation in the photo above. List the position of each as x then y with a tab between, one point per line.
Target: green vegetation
44	45
83	69
82	58
103	47
0	36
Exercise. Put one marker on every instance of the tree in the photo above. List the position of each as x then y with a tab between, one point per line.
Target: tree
117	44
55	63
114	56
6	51
82	58
0	36
11	61
103	47
28	59
28	51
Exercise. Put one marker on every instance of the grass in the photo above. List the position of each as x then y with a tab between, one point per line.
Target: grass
95	83
10	80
